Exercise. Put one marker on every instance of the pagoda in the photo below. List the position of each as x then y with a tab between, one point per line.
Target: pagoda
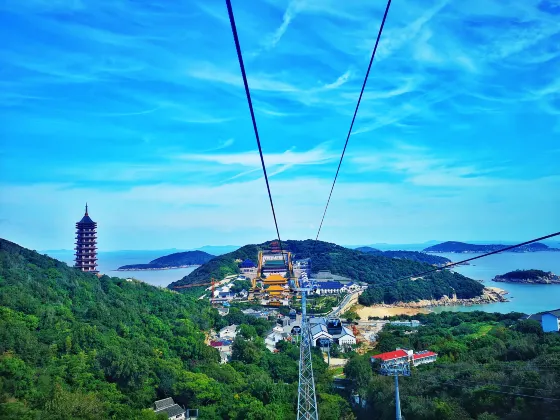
86	241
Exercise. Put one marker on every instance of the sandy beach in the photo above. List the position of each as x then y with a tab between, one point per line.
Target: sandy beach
380	311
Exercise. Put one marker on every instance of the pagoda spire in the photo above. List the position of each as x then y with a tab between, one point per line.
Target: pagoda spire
86	209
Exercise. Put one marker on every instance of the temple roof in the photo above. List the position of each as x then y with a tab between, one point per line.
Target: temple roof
247	264
275	277
86	219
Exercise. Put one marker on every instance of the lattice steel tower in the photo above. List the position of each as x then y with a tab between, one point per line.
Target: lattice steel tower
307	400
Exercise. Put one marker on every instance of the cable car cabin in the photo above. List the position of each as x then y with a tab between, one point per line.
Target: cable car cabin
323	342
334	326
293	314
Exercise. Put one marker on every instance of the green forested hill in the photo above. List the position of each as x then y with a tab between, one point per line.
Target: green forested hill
381	272
489	367
75	346
176	259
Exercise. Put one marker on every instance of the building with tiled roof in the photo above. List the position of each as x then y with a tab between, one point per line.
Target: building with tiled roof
405	356
247	264
330	287
398	355
275	279
171	410
423	357
275	290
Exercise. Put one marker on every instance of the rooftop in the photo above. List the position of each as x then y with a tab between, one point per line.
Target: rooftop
422	354
275	277
86	219
330	285
538	316
391	355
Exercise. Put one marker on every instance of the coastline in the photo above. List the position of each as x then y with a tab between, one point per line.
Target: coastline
489	295
158	269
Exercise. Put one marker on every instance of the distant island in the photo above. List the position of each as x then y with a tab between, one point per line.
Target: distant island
462	247
528	277
176	260
407	255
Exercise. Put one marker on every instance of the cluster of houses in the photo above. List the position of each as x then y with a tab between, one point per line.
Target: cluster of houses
223	342
324	332
406	356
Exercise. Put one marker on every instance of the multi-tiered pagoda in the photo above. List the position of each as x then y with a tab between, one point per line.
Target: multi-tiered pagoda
86	241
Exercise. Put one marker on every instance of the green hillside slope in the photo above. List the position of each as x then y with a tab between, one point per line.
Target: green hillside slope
75	346
381	272
178	259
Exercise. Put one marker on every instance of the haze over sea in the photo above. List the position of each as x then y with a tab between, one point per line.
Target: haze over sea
527	298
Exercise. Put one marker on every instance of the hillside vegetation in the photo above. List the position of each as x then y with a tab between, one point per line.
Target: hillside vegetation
382	273
407	255
178	259
489	367
528	276
75	346
464	247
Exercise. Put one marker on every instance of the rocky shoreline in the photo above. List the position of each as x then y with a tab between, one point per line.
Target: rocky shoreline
489	295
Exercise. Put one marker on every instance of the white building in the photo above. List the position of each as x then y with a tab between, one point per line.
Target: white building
423	357
319	333
228	332
346	338
330	287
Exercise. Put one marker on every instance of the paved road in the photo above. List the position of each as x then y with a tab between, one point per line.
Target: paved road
342	307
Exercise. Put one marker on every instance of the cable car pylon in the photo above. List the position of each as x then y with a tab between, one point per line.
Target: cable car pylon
307	399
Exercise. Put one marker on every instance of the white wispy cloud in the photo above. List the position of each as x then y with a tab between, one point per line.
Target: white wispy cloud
338	82
294	7
315	156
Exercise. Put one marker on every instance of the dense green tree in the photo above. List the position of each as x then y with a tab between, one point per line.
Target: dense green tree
77	346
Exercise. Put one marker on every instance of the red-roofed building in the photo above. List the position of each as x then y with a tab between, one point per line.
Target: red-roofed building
422	357
404	355
398	355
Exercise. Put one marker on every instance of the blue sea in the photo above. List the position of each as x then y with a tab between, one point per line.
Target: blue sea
110	261
526	298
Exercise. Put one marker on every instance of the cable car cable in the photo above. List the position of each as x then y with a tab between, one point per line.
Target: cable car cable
355	113
248	94
479	256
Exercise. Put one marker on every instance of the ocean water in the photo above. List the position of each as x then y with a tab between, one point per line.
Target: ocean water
526	298
110	261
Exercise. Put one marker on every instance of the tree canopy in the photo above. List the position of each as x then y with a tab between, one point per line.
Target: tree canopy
75	346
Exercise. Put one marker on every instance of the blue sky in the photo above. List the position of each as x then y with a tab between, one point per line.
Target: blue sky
138	108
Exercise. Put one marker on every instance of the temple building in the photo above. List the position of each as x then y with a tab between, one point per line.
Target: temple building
275	280
86	244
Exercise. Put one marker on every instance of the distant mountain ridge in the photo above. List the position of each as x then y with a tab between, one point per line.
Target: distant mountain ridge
462	247
407	255
176	260
388	278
